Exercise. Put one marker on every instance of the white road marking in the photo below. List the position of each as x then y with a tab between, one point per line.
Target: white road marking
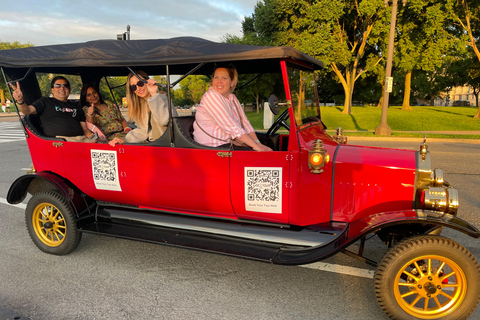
10	132
20	205
336	268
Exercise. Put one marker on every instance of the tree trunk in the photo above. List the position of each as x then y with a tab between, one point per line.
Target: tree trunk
347	108
380	102
348	88
477	115
406	95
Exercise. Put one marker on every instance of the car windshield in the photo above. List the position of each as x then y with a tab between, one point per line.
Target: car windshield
304	96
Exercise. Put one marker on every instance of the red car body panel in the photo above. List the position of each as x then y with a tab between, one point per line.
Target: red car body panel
45	156
160	178
370	180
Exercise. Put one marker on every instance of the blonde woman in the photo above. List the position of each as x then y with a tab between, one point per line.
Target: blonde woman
148	107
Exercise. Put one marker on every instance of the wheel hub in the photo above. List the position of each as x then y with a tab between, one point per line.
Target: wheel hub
48	225
428	286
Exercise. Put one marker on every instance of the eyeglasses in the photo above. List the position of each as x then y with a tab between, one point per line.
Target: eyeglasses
60	85
140	83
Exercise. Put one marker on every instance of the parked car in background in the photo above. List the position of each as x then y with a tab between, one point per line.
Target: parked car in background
461	103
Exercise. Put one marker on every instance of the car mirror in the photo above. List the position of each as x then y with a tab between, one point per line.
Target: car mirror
273	104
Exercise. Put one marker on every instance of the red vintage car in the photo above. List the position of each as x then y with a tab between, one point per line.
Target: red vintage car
310	198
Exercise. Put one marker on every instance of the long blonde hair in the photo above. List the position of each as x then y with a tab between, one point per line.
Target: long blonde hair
137	106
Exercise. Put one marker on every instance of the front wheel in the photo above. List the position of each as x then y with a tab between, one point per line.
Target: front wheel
51	223
428	277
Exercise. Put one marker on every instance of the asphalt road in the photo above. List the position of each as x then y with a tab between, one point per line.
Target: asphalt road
108	278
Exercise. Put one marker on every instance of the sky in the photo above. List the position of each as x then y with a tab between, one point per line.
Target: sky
41	22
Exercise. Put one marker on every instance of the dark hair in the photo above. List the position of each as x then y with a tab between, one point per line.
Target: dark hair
59	78
83	95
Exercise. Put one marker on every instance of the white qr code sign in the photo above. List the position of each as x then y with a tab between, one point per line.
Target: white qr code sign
105	170
263	189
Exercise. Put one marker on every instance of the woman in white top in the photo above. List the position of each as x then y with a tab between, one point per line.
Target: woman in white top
148	107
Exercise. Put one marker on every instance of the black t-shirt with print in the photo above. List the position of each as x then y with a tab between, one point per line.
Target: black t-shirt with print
60	118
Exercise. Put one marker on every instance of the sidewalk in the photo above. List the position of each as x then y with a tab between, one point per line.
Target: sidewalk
2	114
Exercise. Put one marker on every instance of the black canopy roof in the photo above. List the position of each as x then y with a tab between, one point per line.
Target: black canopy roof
111	57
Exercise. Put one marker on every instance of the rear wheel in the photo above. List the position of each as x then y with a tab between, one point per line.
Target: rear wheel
428	277
51	223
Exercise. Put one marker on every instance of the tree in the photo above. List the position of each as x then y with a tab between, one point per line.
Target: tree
466	71
423	42
327	86
4	93
258	89
473	80
118	88
261	27
464	16
343	34
191	90
262	85
428	85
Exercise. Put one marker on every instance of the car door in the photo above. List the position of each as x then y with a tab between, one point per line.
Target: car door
259	184
171	179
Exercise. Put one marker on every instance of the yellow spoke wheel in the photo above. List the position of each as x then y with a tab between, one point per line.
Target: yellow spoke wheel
430	285
51	223
428	277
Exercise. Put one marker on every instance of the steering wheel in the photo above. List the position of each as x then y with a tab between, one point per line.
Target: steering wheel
280	122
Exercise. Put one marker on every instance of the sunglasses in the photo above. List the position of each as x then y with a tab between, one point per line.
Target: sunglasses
60	85
140	83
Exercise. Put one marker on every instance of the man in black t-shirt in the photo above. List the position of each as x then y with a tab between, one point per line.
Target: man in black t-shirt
60	118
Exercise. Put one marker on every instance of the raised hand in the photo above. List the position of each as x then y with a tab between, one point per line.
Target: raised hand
152	87
17	93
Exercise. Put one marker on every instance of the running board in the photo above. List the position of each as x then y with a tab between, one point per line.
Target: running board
255	241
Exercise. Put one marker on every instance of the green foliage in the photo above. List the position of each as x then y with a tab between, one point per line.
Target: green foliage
464	24
191	90
4	93
343	34
13	45
423	40
118	86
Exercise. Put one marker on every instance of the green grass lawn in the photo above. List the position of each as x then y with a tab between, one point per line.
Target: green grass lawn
364	119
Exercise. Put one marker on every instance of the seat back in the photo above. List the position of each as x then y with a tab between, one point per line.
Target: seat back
33	123
183	131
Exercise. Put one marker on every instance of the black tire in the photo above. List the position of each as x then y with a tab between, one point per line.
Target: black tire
450	289
51	223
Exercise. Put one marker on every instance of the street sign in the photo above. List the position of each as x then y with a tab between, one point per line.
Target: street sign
388	84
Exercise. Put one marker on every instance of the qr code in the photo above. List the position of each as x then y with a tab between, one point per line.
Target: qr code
104	166
263	185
